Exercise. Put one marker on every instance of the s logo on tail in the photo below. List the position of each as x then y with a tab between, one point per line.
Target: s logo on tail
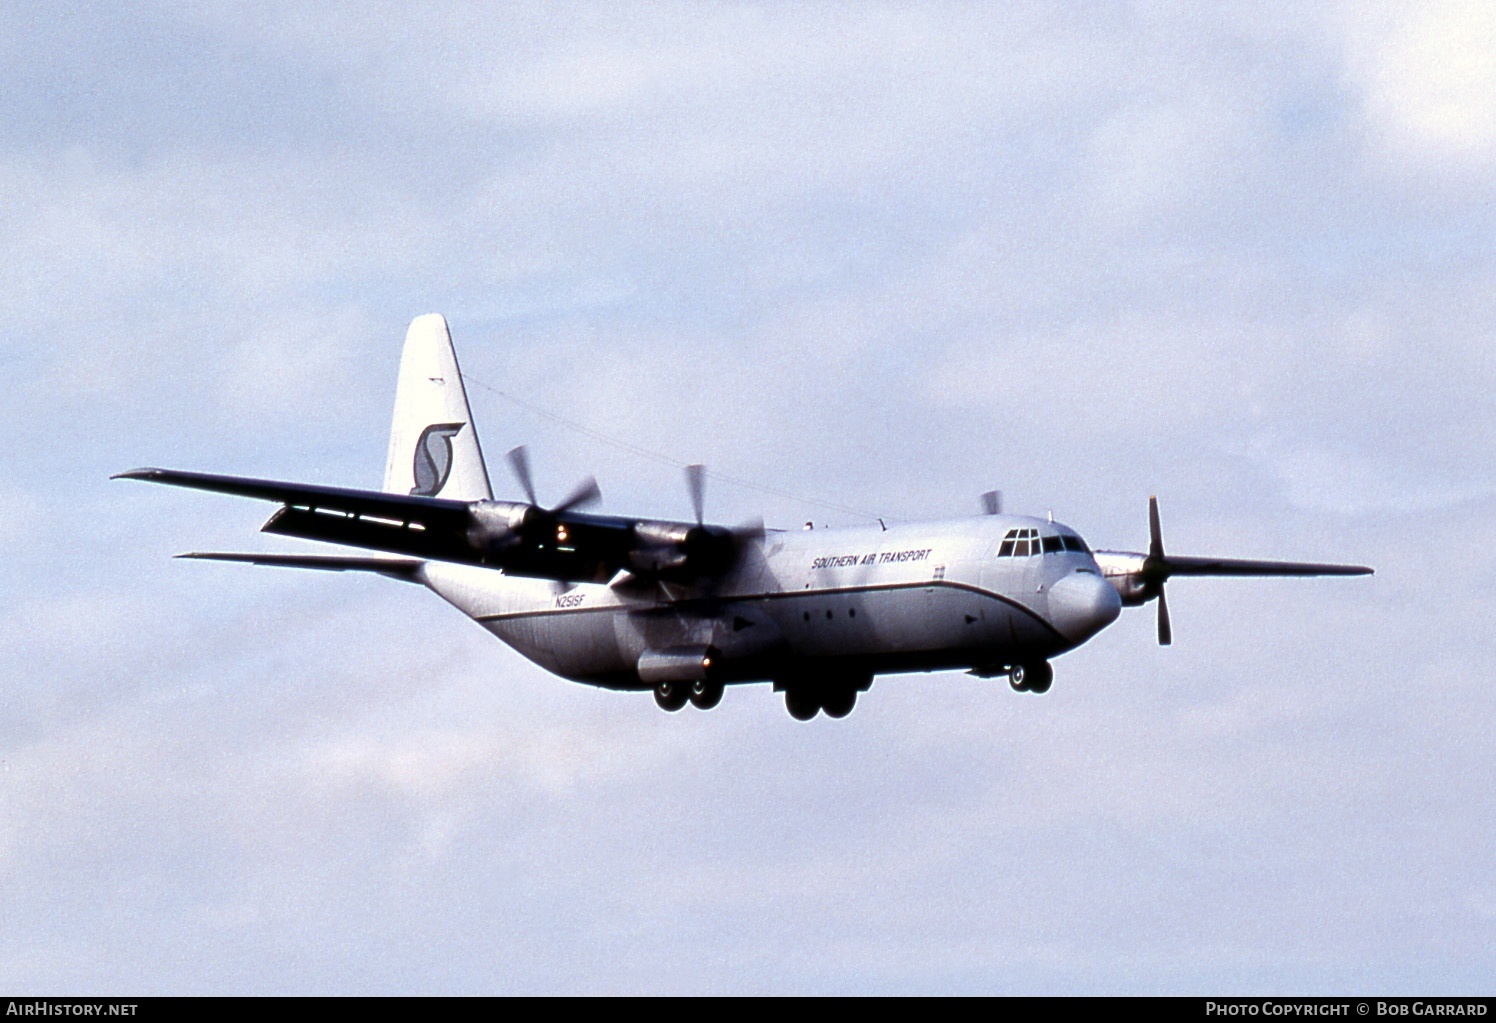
433	462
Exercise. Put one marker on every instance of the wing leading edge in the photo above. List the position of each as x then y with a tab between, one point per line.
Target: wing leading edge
403	569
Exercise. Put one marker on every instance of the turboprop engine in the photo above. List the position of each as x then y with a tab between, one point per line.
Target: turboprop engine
496	524
674	550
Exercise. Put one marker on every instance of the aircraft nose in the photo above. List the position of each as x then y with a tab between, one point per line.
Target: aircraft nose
1082	604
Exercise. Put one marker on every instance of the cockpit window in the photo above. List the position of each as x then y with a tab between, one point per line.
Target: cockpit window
1020	543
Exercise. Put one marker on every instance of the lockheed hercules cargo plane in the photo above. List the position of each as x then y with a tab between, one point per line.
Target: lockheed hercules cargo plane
684	608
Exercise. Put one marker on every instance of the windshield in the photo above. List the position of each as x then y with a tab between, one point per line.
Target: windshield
1023	542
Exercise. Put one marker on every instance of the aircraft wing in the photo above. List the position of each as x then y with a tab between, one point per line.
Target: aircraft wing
1141	577
404	569
520	539
429	527
431	510
1234	566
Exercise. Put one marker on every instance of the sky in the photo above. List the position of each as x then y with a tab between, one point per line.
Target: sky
881	257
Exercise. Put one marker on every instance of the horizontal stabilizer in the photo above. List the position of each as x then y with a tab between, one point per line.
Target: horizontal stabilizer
404	569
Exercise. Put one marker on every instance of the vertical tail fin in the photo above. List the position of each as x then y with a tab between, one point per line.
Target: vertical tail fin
434	448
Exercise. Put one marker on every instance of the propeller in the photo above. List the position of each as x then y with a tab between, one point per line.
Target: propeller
1157	566
502	531
585	493
1165	633
715	547
696	483
992	502
519	461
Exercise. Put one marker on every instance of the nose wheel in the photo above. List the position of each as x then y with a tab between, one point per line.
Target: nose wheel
1031	678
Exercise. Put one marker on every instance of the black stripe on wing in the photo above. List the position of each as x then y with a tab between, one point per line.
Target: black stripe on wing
404	569
1175	565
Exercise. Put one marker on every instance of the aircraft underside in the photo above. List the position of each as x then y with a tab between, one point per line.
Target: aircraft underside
820	648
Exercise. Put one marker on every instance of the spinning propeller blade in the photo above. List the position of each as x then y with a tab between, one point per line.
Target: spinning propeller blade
696	483
519	461
585	493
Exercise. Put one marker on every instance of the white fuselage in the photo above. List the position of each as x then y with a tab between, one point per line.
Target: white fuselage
861	600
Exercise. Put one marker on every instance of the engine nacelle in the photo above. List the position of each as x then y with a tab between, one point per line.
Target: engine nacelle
492	523
1124	570
679	551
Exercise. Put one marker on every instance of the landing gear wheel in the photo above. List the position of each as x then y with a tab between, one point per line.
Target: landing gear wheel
1039	677
838	702
1018	678
671	696
802	703
706	695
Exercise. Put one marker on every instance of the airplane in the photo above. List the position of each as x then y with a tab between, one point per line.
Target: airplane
684	609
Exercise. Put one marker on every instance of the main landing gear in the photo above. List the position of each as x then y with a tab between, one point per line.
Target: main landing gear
703	695
836	697
1031	678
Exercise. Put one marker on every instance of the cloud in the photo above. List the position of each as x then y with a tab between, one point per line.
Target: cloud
1427	77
